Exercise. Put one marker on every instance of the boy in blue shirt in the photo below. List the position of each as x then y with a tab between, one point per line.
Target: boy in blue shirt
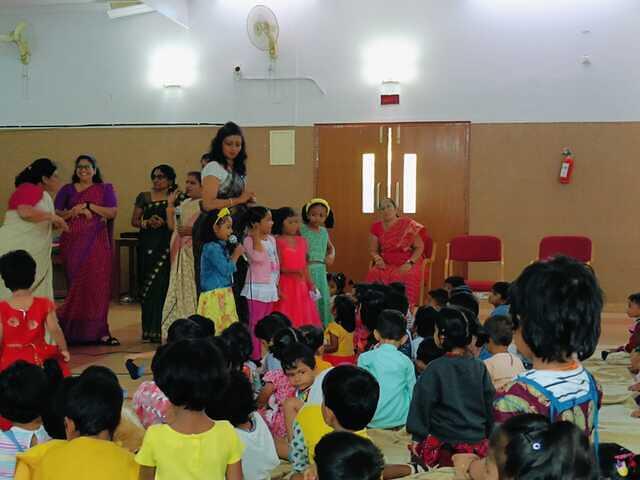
392	369
499	298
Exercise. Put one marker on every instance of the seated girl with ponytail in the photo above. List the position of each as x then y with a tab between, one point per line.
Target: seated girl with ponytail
451	409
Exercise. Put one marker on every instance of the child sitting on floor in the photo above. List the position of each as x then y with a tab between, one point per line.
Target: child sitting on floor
25	319
25	396
556	305
265	331
499	298
451	406
92	405
437	298
503	366
530	446
633	311
313	337
347	456
240	346
149	403
392	369
424	326
191	373
339	347
238	407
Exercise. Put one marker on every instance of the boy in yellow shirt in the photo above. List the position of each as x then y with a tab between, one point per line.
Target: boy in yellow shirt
191	373
92	405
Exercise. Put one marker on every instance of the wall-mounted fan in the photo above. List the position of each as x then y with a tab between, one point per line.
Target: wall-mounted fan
263	30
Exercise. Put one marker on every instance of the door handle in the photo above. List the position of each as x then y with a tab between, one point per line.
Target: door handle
377	206
397	194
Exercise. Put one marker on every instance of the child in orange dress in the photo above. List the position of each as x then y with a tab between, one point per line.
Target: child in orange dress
25	319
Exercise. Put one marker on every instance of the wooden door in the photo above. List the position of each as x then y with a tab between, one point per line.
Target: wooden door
340	150
442	183
442	180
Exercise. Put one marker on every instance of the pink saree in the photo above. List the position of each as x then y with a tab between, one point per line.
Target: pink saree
86	250
395	249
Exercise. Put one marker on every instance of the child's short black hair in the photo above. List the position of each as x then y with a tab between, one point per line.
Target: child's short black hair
558	450
94	402
440	296
372	303
347	456
391	325
282	340
206	324
466	300
297	352
499	328
352	394
345	312
236	403
268	326
611	456
454	328
396	300
455	281
18	270
184	328
502	289
312	337
238	338
339	279
207	233
279	216
428	351
190	372
558	305
23	392
634	298
425	321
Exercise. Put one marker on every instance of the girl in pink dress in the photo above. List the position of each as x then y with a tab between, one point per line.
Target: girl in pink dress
296	289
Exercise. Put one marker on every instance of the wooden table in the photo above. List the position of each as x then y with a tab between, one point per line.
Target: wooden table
131	244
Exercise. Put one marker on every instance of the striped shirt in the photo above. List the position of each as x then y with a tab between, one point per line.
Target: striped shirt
565	385
8	449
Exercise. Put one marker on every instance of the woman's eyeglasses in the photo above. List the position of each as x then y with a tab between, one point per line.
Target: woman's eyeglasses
158	177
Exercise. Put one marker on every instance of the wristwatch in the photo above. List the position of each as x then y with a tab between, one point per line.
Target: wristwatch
87	205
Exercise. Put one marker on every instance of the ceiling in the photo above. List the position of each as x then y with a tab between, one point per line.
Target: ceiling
32	3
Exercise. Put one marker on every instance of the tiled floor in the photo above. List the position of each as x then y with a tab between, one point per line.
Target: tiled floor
125	325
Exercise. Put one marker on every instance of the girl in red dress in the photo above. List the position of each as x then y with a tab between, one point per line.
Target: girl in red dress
25	319
295	288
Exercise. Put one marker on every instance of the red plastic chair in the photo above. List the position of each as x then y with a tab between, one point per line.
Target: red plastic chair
578	247
475	249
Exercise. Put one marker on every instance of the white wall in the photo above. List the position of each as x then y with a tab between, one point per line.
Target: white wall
478	60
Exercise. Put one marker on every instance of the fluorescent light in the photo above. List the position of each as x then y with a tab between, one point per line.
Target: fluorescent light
128	11
368	182
390	60
409	183
173	67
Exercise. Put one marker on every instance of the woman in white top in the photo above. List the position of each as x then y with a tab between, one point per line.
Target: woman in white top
224	186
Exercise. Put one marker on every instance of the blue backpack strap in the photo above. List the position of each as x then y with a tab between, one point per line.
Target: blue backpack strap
556	407
12	438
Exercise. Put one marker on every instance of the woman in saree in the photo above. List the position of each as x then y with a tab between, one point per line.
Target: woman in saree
397	246
89	206
182	295
224	186
154	264
29	222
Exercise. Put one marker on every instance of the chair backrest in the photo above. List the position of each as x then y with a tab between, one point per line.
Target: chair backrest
574	246
475	248
428	243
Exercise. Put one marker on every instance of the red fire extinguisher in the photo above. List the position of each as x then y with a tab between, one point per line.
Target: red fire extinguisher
566	167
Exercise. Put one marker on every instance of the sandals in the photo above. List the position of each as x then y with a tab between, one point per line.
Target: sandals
109	342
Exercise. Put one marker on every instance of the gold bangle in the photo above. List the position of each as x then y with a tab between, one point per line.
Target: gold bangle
231	202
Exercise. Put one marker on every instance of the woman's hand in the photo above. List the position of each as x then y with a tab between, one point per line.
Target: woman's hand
87	214
173	196
77	210
246	197
58	223
405	268
378	262
66	356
